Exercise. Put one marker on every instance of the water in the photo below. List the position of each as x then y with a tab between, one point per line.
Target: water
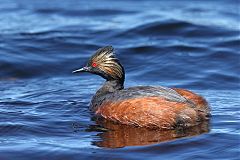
44	107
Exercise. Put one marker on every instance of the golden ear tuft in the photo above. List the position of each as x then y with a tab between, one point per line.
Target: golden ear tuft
105	60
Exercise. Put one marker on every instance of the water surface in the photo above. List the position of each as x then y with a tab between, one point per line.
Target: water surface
44	107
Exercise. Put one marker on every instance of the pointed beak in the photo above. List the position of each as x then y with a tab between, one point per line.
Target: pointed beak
84	69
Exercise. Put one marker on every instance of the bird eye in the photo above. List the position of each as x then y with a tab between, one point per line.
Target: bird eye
94	64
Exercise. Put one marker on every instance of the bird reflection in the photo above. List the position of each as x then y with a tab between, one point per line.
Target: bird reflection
117	135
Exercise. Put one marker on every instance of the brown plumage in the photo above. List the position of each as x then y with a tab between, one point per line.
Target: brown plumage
145	106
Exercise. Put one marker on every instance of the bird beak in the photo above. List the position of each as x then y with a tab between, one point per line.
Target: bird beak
84	69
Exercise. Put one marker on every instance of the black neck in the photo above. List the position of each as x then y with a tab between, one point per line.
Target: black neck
107	88
110	87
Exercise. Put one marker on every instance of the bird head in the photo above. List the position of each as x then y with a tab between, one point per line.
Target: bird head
104	63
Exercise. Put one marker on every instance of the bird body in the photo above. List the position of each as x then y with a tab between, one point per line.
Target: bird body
142	106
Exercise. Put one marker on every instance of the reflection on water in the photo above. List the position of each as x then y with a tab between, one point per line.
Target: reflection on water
118	135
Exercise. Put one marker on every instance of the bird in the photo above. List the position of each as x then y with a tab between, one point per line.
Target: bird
154	107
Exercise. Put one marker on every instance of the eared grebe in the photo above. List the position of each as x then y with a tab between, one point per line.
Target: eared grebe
143	106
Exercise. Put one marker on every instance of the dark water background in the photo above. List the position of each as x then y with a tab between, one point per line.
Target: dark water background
44	107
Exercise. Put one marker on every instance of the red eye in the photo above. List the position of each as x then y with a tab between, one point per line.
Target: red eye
94	64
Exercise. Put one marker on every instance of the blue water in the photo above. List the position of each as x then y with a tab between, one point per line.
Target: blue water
44	107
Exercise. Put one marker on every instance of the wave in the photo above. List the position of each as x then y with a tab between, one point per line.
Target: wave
157	48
